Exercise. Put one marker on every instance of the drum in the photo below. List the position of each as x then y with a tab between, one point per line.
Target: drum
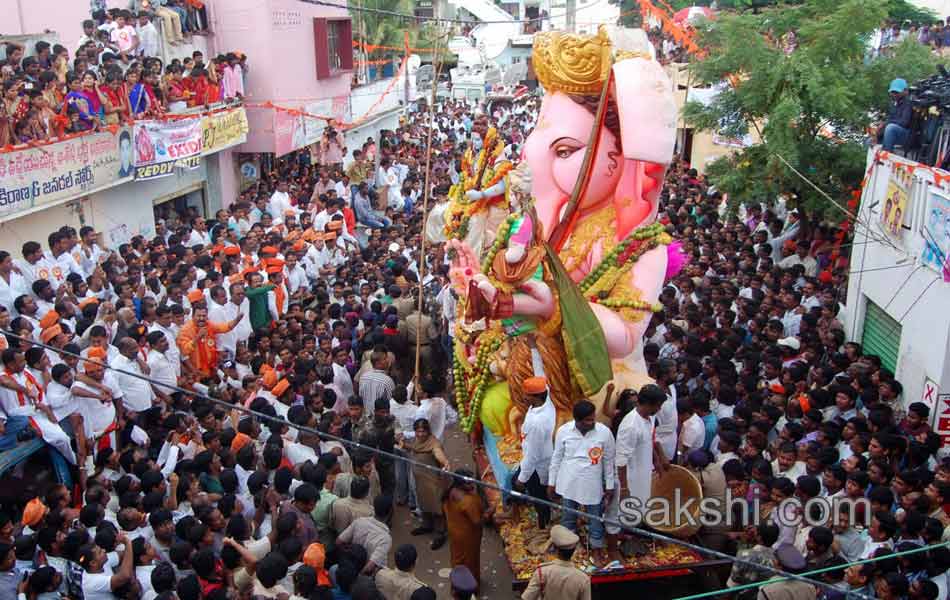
673	523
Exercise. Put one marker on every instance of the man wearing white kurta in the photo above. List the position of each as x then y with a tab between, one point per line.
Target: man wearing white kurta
137	393
635	446
537	433
21	395
279	202
227	312
582	472
667	420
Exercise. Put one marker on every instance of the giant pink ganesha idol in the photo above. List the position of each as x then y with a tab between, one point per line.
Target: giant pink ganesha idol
611	257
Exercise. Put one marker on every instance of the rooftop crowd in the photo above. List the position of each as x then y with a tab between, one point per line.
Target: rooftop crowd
892	33
304	301
115	76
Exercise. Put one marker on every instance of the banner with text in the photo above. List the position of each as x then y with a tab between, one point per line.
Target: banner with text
163	146
223	129
936	231
64	170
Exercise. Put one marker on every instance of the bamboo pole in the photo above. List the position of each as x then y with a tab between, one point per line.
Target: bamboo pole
425	212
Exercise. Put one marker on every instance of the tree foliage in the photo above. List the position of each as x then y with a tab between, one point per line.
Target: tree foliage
629	13
380	29
810	106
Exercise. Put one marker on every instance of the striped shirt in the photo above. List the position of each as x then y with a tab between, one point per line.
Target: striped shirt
375	385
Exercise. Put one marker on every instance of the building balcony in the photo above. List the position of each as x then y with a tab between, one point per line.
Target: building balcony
40	175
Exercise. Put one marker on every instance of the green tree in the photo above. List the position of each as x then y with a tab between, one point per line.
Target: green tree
810	107
380	29
629	13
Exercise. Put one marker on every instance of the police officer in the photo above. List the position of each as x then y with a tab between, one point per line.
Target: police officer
788	558
463	583
559	579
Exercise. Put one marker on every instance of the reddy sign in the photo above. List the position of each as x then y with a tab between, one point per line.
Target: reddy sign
160	146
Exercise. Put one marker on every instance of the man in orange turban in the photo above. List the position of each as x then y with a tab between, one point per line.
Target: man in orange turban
537	435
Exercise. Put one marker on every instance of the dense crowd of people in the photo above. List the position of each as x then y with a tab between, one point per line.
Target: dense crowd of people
305	301
935	36
114	77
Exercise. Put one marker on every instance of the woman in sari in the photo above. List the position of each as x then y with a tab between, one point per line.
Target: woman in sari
425	448
78	102
177	91
138	95
52	90
465	518
90	89
13	111
115	101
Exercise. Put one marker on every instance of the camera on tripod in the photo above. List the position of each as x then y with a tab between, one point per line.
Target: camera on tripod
929	140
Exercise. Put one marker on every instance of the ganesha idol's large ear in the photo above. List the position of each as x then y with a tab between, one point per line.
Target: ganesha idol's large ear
647	111
646	107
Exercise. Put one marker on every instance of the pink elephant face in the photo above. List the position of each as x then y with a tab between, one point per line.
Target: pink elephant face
555	152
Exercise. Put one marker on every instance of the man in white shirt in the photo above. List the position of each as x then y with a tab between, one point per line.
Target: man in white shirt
137	393
636	455
61	262
786	463
163	323
12	283
582	472
341	377
536	448
21	395
801	257
238	304
296	275
667	422
280	201
163	371
692	430
147	34
387	180
199	233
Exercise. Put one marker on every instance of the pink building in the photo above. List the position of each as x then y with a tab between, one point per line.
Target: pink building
300	57
303	59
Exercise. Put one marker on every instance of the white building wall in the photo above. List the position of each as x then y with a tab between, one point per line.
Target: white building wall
126	210
894	278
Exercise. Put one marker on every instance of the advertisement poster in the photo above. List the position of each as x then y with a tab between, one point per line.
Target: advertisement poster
161	146
936	232
223	129
40	176
895	204
942	418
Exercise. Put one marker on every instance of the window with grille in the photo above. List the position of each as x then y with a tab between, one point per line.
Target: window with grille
333	45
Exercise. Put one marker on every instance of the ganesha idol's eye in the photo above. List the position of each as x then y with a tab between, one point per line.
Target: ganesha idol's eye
565	151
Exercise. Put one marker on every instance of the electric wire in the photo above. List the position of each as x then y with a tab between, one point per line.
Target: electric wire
443	19
836	204
474	481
